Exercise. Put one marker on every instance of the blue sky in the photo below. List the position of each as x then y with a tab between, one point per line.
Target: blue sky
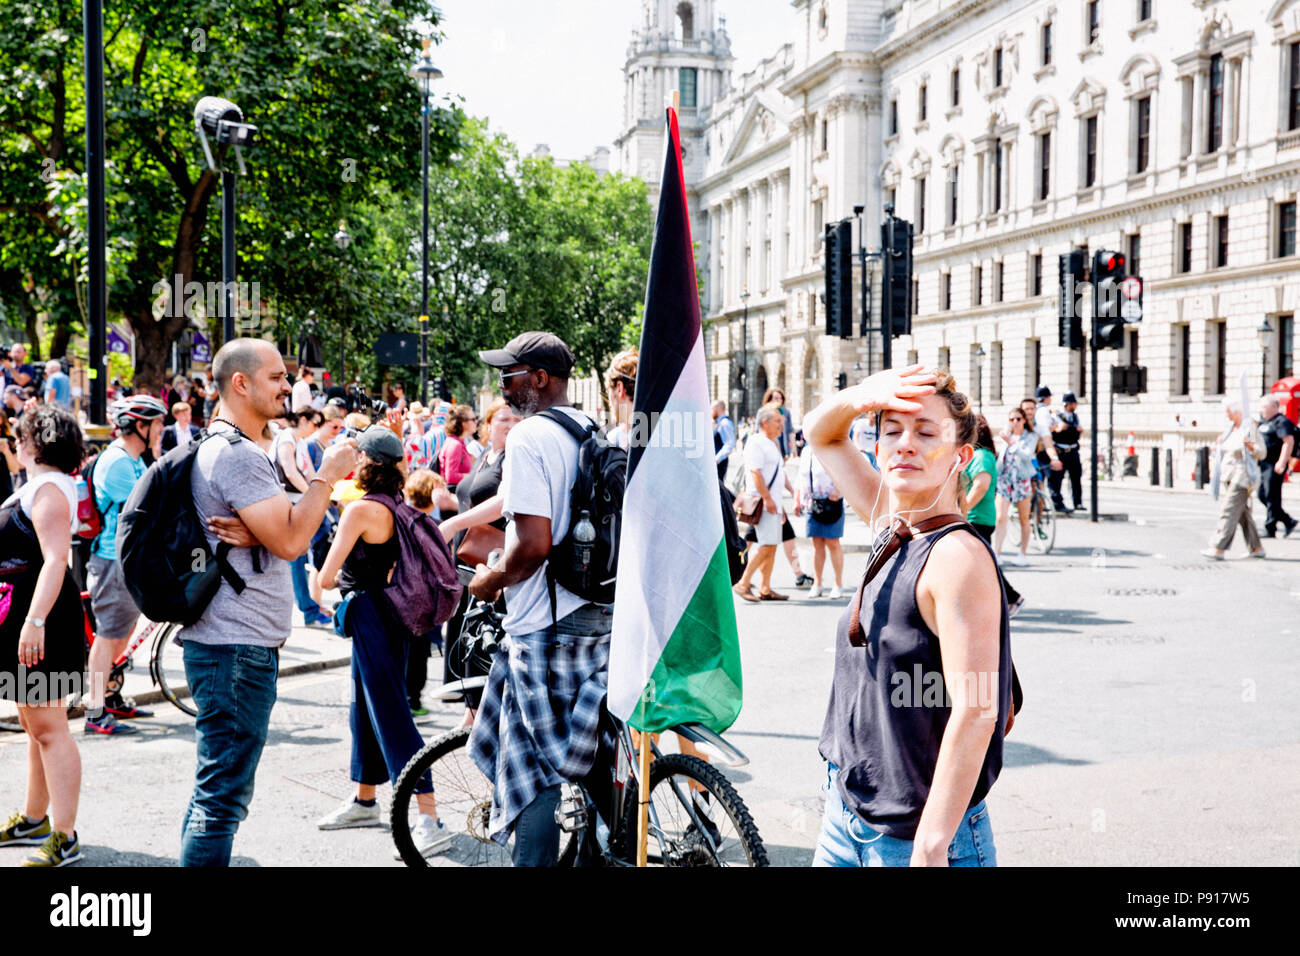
550	71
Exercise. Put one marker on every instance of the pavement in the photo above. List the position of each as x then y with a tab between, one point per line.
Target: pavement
1157	727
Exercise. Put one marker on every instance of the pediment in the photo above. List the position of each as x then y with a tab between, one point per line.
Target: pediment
762	122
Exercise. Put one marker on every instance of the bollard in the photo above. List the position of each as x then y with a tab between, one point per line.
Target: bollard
1169	467
1202	466
1155	466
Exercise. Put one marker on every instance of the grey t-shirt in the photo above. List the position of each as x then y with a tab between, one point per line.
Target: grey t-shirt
226	478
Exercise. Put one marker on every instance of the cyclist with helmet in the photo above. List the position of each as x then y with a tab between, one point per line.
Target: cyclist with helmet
139	421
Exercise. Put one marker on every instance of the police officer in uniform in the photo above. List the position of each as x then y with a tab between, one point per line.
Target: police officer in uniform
1065	435
1279	444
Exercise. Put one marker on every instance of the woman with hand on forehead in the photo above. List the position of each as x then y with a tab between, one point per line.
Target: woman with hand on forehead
908	766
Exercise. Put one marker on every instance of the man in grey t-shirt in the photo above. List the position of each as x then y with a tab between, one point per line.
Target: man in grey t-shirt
232	651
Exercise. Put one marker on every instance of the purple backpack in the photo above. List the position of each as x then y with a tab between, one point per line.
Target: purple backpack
425	587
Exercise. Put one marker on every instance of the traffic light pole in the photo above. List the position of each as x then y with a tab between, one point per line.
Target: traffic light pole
1092	347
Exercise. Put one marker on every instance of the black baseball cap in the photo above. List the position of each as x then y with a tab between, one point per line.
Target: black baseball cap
1069	399
381	444
1044	392
541	350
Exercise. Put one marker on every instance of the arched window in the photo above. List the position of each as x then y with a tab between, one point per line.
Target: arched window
686	21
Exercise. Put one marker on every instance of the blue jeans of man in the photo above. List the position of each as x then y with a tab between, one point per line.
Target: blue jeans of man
846	841
301	592
234	690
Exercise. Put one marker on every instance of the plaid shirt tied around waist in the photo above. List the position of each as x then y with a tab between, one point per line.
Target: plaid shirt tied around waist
539	722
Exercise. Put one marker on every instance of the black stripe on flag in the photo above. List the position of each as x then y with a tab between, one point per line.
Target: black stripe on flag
671	321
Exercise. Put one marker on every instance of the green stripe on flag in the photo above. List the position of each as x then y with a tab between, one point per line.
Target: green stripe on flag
697	678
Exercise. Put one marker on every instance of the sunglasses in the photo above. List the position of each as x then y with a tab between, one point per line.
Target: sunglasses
501	378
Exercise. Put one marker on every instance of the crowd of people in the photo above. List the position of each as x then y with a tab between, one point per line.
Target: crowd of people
308	491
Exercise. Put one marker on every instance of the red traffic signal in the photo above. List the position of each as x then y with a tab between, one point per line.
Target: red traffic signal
1107	264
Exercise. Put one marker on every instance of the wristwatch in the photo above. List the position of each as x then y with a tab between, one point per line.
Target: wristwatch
35	621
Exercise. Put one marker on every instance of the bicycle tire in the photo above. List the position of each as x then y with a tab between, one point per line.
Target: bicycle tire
1043	524
464	799
684	847
163	652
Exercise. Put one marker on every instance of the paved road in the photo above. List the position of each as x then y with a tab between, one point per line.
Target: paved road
1156	727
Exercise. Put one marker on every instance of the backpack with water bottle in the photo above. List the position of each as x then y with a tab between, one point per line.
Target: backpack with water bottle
585	562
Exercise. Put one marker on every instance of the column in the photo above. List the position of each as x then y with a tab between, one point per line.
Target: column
781	252
1199	93
715	224
739	278
1241	119
1229	139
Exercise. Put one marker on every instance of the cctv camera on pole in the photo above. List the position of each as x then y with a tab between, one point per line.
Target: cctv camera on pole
224	121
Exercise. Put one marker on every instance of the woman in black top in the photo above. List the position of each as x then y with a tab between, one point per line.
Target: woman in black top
9	467
361	561
921	694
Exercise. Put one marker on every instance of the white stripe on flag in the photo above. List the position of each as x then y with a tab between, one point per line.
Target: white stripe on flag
672	525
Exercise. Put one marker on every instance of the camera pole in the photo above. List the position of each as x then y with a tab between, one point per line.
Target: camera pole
97	293
229	297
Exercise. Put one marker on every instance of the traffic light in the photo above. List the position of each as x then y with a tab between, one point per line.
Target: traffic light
839	279
1070	283
1107	323
896	291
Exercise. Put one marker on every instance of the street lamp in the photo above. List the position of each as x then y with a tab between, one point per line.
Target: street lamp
979	377
425	72
1265	333
744	351
342	239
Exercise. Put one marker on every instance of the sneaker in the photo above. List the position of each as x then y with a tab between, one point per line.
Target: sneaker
420	711
1289	529
124	708
802	581
107	724
19	831
58	850
816	591
430	836
1015	607
1213	554
351	814
1258	553
318	620
1019	560
835	593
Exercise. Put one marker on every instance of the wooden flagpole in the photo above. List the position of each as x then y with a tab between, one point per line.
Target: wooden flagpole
643	792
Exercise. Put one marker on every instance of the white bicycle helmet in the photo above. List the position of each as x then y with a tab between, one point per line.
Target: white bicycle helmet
137	408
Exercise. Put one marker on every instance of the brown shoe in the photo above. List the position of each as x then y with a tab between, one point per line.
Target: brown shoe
772	596
745	593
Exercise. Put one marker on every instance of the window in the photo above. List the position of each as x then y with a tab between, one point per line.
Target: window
1286	228
686	85
920	205
893	117
1142	143
952	195
1046	43
945	357
1134	254
995	372
1293	87
997	176
977	285
1182	359
945	291
956	87
1044	165
1185	247
1220	241
1214	124
826	135
997	68
916	295
1219	336
921	97
891	197
818	221
1090	151
1130	346
1033	364
912	357
1144	10
1036	274
686	19
997	282
1094	21
1286	344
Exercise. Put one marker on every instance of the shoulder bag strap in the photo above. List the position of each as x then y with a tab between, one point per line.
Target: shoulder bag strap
900	533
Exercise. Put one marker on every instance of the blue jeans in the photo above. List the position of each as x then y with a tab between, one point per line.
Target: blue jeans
301	593
234	691
846	841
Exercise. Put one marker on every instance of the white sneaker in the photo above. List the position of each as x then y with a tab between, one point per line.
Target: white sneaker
816	591
430	836
835	593
1019	560
351	814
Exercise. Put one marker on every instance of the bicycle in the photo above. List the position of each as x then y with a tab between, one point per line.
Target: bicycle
597	828
160	659
1042	516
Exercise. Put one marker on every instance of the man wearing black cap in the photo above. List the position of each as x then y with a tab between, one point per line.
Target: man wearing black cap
1048	457
538	725
1066	434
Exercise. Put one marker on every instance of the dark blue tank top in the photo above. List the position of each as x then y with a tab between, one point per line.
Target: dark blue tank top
889	706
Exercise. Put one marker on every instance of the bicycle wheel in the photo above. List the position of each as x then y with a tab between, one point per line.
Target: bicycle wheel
464	798
168	670
676	840
1042	523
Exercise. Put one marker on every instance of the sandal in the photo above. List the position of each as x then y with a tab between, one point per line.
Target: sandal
772	596
745	593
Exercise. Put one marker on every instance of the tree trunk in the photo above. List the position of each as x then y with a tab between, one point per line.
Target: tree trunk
33	336
153	342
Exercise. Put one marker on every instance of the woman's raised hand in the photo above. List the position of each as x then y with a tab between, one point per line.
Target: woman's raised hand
893	389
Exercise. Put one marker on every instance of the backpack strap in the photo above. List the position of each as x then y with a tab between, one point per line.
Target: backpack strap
579	434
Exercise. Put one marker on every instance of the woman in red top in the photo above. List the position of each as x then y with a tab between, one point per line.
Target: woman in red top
454	459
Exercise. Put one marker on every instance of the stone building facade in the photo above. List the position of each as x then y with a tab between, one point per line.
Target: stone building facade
1008	133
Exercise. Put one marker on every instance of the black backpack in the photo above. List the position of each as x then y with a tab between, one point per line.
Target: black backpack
589	569
735	541
169	568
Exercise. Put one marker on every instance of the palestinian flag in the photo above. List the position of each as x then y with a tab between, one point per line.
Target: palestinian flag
674	641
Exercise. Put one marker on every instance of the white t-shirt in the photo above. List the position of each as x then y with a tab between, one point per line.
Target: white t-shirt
1043	419
540	469
763	454
301	397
